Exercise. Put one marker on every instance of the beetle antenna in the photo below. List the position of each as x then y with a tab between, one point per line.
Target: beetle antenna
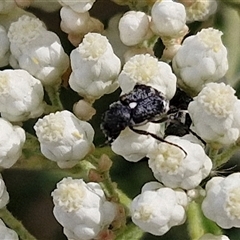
143	132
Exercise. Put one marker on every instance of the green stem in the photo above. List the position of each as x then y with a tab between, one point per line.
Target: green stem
54	96
16	225
198	224
131	231
225	155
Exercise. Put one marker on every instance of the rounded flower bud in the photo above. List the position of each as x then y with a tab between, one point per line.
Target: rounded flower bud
37	50
134	28
210	236
64	138
221	203
10	148
81	208
158	208
7	233
133	146
184	166
4	47
95	67
79	6
4	196
145	69
77	24
202	58
168	18
21	95
212	113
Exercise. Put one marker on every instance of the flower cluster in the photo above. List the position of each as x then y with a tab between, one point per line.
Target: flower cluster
175	110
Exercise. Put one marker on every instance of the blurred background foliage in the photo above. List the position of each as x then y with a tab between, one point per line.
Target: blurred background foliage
30	199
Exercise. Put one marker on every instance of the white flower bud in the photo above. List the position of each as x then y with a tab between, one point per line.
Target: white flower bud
145	69
4	47
202	58
158	208
21	95
95	67
84	110
79	6
10	148
168	18
133	146
176	168
134	28
4	196
210	236
64	138
81	208
72	21
37	50
200	10
7	233
222	201
212	113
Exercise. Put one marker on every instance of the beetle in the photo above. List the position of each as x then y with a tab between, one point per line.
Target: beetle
141	105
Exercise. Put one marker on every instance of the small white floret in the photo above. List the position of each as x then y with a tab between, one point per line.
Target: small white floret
222	201
64	138
81	208
214	114
158	208
183	165
95	67
146	69
21	95
202	58
134	28
10	147
168	18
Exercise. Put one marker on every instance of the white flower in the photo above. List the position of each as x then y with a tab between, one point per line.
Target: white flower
21	95
95	67
7	233
202	58
145	69
72	21
176	168
200	10
133	146
79	5
81	208
10	148
212	113
64	138
4	196
37	50
158	208
210	236
222	202
168	18
4	47
134	28
77	24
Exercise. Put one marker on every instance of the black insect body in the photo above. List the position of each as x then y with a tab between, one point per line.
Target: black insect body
143	104
179	120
